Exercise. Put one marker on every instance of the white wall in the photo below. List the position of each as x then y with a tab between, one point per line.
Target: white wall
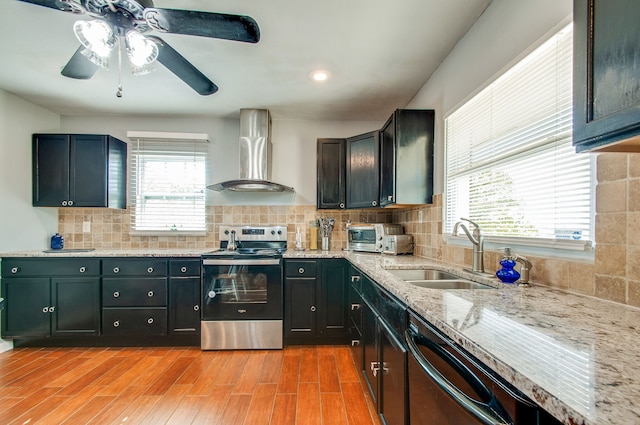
503	34
22	227
293	156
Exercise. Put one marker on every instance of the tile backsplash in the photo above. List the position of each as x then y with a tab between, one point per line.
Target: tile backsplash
614	274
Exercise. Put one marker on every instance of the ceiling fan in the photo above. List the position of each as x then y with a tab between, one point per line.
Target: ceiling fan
128	20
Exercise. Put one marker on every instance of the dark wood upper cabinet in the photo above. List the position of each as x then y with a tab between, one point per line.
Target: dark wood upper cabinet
331	184
606	113
363	170
77	170
406	158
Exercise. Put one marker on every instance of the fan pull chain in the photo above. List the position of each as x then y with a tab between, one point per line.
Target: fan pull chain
119	92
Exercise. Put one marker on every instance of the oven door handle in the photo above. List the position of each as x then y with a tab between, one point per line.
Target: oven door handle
484	412
240	262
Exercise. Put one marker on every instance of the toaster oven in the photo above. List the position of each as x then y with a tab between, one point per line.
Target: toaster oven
368	237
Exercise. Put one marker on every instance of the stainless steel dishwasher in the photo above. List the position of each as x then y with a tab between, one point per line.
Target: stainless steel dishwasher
448	386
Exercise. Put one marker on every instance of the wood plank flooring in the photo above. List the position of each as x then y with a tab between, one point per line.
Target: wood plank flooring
183	385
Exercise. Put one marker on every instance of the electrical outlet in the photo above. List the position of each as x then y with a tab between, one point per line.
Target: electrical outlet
86	227
419	216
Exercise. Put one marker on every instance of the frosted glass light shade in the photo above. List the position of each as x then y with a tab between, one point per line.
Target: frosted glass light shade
98	38
140	49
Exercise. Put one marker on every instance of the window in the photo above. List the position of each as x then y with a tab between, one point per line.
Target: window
510	163
168	174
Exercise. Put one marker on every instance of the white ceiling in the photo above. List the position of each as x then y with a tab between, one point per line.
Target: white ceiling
380	53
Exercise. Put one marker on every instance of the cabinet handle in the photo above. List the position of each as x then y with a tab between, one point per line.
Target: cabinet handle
374	203
183	269
15	270
313	308
390	198
375	368
355	342
116	269
355	307
64	203
196	308
355	278
45	309
116	294
150	294
150	320
341	205
116	323
52	309
301	270
150	270
242	310
83	269
70	203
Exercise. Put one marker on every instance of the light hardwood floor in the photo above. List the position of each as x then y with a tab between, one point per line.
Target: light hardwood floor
183	385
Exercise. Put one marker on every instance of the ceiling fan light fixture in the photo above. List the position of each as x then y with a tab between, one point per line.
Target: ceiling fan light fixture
141	51
136	71
96	36
101	61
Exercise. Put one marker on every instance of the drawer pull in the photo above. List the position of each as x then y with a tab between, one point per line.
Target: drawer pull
301	270
116	323
242	310
70	203
313	308
83	269
116	294
183	269
116	269
355	278
355	342
150	270
196	307
15	270
150	294
64	203
150	320
52	309
355	307
45	309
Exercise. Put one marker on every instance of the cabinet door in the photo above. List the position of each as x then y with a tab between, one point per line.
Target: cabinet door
76	306
333	299
331	174
370	349
184	305
300	308
388	162
27	307
606	66
50	170
88	171
363	170
393	360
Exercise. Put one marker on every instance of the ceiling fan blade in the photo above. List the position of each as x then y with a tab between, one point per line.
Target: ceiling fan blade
183	69
53	4
79	67
204	24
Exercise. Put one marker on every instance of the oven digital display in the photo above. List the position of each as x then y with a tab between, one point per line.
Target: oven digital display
253	231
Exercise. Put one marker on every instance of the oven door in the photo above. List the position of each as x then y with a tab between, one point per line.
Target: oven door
241	289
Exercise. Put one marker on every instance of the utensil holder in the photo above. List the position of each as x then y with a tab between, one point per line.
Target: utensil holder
325	243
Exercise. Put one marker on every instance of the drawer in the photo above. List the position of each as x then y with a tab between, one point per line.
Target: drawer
184	267
300	268
134	292
134	321
134	267
19	267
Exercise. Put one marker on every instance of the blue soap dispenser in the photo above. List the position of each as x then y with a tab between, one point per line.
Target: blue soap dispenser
507	274
57	241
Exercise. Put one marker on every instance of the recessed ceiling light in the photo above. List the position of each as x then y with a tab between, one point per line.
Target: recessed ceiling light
320	75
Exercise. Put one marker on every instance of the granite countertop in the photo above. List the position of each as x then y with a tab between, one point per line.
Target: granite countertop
574	355
140	252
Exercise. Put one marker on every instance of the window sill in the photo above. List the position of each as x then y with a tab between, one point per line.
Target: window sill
565	249
169	233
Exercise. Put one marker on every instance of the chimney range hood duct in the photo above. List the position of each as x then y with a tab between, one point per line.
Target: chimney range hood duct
255	156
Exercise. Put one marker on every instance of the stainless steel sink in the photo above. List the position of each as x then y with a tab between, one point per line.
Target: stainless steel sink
422	274
435	279
448	284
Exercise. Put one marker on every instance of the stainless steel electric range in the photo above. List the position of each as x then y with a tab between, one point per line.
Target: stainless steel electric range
242	289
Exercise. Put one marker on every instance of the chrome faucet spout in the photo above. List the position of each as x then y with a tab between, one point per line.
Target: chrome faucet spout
525	267
477	240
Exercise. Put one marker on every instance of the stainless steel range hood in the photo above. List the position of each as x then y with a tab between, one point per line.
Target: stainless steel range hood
255	156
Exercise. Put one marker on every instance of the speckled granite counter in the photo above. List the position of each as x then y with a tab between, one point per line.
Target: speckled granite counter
143	252
576	356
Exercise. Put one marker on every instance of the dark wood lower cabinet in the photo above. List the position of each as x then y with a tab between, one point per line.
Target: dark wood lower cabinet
316	301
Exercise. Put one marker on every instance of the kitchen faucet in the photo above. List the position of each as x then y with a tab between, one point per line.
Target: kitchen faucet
525	266
478	244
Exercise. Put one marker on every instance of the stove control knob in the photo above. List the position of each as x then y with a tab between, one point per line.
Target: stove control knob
279	232
273	232
226	232
212	294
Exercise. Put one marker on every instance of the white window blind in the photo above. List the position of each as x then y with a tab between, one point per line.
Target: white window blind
168	185
510	164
